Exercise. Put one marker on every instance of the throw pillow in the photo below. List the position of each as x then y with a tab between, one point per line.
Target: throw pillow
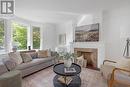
43	53
3	68
80	61
10	64
33	55
26	57
15	56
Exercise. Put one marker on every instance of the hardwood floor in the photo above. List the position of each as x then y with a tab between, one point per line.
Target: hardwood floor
44	78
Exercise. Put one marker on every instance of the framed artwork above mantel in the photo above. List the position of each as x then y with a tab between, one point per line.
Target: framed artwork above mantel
87	33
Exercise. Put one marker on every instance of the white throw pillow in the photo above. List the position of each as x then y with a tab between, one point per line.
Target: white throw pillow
80	61
15	56
80	58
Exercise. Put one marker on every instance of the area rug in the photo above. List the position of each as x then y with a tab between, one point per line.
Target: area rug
44	78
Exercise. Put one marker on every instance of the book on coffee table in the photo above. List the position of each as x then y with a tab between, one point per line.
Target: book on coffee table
69	70
65	80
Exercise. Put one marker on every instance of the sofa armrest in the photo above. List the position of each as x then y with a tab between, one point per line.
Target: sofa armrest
11	79
108	61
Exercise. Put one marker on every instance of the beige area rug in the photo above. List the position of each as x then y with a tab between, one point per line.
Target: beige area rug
44	78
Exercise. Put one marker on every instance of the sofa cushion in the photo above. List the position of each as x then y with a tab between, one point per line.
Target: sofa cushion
43	53
26	57
3	68
15	56
32	63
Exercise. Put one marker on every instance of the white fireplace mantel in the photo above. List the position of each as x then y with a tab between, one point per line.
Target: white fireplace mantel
98	45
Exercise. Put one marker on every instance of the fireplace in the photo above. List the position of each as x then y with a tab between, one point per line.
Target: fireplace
89	54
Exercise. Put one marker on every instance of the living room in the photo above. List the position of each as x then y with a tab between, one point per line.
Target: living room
39	39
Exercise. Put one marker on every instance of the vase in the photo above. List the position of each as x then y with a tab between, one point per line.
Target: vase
14	49
68	63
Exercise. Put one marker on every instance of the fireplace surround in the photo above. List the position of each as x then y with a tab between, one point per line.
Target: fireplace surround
89	54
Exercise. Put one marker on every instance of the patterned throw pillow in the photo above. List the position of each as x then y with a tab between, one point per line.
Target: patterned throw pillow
43	53
33	55
10	64
26	57
15	56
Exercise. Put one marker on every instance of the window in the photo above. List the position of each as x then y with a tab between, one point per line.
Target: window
36	37
2	35
19	36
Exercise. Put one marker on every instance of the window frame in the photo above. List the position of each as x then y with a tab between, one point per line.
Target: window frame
34	25
23	24
4	50
8	33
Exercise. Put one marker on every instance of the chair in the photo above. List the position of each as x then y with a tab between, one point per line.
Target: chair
115	75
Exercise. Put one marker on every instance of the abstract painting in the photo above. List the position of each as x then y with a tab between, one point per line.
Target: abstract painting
87	33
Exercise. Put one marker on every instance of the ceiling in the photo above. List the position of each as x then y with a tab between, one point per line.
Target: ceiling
60	11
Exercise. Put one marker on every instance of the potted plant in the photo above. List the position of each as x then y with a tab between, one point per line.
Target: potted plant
67	57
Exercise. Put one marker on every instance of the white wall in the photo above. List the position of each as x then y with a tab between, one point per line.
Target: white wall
91	19
69	27
49	36
66	28
114	29
85	20
116	24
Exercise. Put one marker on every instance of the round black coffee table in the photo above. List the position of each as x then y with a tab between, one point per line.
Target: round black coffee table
59	70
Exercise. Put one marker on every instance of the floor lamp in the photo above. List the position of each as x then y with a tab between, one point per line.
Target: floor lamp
127	50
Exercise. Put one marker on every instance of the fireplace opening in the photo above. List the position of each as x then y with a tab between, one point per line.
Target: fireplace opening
88	54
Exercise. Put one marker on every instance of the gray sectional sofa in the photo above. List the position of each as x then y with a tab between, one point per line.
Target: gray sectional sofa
35	65
30	67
